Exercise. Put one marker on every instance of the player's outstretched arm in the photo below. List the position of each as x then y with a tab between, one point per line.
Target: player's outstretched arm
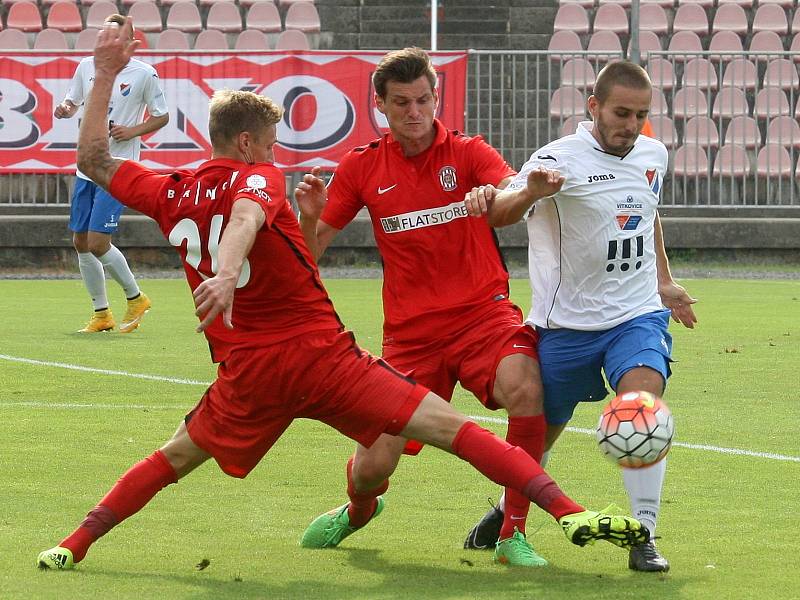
114	48
312	196
673	296
215	295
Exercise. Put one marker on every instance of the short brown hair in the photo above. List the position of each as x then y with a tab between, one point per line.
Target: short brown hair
232	112
403	66
623	73
119	20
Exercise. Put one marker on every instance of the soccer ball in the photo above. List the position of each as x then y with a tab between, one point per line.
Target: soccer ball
635	429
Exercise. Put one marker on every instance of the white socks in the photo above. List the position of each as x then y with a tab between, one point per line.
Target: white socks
94	279
116	264
644	491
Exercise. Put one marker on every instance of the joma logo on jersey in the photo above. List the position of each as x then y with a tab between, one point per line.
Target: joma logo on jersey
424	218
653	180
603	177
447	177
628	222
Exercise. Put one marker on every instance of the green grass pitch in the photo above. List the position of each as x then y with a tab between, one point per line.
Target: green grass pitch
729	521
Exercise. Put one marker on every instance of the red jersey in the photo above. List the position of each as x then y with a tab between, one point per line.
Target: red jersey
441	267
279	294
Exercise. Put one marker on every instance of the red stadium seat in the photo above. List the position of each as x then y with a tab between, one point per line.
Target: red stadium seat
172	39
729	103
578	73
652	17
795	47
86	39
664	130
662	73
730	17
292	39
743	131
732	161
224	16
98	12
685	41
771	102
740	73
604	42
570	126
146	16
65	16
725	41
252	39
25	17
770	17
701	131
784	131
302	16
50	39
567	102
766	41
658	105
185	17
571	17
13	39
796	22
773	161
781	73
691	160
611	17
211	39
689	102
701	73
264	16
564	43
690	17
648	42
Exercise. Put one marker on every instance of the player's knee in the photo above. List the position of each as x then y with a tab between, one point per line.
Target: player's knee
372	471
522	399
98	247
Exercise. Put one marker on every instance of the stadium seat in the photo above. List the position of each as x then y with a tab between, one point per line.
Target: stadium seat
252	39
302	16
571	17
726	42
730	17
729	103
652	17
570	126
784	131
264	16
24	16
172	39
732	161
13	39
773	160
743	130
567	102
781	73
146	16
701	73
796	22
211	39
689	102
701	131
50	39
770	17
740	73
64	16
658	105
766	41
664	130
564	44
771	102
86	39
578	73
292	39
604	42
648	42
98	12
690	17
611	17
685	41
185	17
662	73
691	160
225	17
795	46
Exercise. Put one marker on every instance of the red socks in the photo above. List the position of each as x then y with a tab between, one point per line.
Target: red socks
527	433
131	492
512	467
362	504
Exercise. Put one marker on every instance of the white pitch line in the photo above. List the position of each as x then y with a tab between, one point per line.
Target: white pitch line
497	420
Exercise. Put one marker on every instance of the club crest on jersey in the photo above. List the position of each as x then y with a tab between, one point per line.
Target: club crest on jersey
628	222
653	180
447	177
256	181
124	88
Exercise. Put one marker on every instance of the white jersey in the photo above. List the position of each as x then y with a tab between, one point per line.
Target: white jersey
591	246
137	86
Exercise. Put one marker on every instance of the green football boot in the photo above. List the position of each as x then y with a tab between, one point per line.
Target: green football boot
517	552
585	527
329	529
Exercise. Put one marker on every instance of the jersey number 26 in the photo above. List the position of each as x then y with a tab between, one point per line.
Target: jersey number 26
186	229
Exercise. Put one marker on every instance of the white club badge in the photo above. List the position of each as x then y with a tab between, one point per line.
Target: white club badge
257	182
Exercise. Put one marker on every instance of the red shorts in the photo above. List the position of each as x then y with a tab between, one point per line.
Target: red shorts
469	356
323	376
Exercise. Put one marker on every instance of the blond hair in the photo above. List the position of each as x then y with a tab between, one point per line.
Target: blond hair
232	112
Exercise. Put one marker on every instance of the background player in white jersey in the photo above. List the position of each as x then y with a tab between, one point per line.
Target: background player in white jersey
94	214
598	268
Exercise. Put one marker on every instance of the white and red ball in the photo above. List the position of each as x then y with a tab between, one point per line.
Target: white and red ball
635	429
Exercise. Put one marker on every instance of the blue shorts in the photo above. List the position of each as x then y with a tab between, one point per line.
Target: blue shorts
573	362
93	208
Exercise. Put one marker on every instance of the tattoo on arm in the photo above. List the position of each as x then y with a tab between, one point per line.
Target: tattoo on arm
97	163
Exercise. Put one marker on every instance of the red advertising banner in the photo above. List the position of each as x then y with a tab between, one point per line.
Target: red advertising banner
327	96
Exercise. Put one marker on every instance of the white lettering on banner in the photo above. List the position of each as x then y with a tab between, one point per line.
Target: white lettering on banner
16	101
424	218
188	104
64	132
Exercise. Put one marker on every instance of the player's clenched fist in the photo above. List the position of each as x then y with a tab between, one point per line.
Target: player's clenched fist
479	200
